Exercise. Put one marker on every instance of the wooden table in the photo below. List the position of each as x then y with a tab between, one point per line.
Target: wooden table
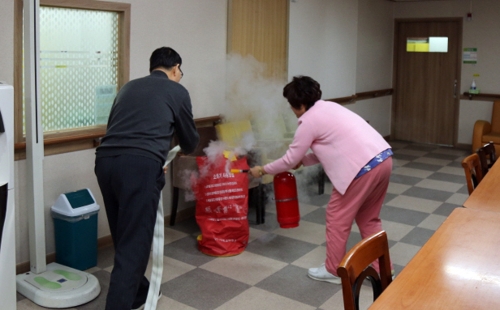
487	194
458	268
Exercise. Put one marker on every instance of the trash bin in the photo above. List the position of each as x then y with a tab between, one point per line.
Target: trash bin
75	228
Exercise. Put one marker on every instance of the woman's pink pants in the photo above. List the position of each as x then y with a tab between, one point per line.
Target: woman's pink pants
361	202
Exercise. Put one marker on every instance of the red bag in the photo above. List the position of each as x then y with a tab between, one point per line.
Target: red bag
222	206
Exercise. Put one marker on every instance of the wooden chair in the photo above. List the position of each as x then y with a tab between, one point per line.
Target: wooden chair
487	156
473	171
356	267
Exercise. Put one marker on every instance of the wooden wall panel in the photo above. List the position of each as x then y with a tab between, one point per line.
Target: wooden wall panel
260	28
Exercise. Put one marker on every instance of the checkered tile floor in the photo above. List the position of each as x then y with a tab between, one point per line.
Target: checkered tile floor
426	185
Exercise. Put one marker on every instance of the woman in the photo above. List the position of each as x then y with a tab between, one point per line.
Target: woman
355	158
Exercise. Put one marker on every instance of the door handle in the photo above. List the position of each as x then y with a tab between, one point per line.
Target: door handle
455	89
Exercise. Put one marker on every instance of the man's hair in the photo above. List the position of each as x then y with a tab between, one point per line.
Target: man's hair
164	57
302	90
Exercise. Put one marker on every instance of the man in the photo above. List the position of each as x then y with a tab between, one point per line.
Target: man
129	168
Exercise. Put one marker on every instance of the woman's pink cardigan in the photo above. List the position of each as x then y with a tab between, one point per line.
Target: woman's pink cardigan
340	140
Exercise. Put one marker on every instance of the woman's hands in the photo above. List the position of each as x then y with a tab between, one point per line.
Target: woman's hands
257	171
298	166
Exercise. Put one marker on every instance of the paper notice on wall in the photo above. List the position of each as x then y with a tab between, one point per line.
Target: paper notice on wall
469	55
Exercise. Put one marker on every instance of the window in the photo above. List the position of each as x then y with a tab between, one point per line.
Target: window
84	60
427	45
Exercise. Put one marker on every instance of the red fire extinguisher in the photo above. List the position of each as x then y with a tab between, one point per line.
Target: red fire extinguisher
287	203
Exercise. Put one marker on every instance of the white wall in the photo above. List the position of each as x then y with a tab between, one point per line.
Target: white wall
374	62
322	44
483	32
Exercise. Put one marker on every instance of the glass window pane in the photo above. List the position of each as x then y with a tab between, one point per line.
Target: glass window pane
78	66
427	44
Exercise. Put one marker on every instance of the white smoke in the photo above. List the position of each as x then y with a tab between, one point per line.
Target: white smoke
250	95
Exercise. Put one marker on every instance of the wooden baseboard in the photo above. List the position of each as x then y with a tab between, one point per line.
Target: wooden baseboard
106	241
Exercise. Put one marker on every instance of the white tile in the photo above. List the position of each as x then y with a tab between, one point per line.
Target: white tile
433	221
305	208
314	258
414	203
172	268
457	199
255	234
439	185
412	172
306	231
256	298
168	303
172	235
453	170
396	231
397	188
399	162
246	267
402	253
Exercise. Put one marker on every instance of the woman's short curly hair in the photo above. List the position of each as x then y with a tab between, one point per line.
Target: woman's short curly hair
302	90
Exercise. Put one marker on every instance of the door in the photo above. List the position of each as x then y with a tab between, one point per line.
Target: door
426	98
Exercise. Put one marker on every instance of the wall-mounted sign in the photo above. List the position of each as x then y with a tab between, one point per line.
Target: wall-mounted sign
470	55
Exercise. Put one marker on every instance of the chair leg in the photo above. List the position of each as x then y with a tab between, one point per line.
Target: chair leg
321	182
261	205
175	202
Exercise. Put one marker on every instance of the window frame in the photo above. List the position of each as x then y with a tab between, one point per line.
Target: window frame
71	139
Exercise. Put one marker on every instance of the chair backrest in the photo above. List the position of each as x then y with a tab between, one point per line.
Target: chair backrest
473	171
487	156
356	267
495	117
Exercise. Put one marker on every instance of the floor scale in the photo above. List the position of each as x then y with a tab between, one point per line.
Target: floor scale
52	285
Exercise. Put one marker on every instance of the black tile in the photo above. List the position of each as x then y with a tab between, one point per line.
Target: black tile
404	179
445	209
354	237
316	216
270	221
441	156
417	236
404	157
105	257
403	216
389	197
421	147
439	176
423	166
293	282
464	190
456	164
316	200
397	269
279	247
426	193
186	250
188	226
